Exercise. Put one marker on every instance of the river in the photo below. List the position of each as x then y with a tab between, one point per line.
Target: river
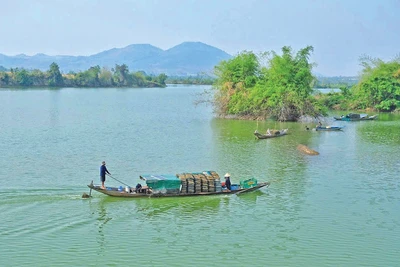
340	208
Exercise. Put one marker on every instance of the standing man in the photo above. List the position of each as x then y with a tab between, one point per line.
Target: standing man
103	171
228	181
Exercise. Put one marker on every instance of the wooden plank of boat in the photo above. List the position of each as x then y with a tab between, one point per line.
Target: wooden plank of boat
266	136
113	191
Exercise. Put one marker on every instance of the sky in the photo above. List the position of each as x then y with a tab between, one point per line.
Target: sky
341	31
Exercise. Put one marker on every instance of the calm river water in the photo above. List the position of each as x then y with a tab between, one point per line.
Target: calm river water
340	208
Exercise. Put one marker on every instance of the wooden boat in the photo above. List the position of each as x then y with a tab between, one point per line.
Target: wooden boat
355	117
172	186
272	135
329	128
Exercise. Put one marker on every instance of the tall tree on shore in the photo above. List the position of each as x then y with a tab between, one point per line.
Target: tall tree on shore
54	76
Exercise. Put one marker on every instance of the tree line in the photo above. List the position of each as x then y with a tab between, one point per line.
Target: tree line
119	76
280	87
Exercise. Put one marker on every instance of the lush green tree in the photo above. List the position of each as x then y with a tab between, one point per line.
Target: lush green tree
38	77
234	78
140	78
379	85
121	75
160	79
106	77
22	77
4	79
54	76
282	89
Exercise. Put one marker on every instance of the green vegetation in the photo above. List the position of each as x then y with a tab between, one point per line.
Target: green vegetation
283	89
93	77
379	86
199	79
377	89
335	82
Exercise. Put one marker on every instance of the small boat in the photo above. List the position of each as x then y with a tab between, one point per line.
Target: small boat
180	185
274	133
329	128
356	117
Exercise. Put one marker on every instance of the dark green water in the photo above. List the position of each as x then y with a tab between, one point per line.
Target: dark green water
340	208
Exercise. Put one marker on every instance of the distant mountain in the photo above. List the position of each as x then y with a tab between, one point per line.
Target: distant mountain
188	58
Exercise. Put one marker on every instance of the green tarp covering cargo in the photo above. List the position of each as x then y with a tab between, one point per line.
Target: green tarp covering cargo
167	183
249	183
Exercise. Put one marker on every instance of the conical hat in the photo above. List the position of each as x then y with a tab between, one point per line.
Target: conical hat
227	175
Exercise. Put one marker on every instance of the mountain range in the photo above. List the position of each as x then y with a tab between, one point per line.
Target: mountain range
188	58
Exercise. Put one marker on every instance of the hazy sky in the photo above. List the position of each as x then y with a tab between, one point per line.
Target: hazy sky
339	30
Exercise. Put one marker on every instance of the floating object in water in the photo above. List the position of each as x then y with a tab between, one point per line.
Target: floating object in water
307	150
84	195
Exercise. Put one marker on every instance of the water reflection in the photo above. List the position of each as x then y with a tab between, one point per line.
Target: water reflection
102	219
380	132
179	206
252	197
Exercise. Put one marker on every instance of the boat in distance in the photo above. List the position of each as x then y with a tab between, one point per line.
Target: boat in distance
272	134
180	185
356	117
329	128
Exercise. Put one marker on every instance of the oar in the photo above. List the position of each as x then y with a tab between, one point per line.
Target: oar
118	180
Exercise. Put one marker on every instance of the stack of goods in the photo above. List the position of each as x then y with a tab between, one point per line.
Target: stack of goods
197	182
182	177
190	183
218	186
204	183
214	175
207	181
210	180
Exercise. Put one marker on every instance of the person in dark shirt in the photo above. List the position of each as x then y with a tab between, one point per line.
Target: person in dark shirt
228	181
103	171
138	188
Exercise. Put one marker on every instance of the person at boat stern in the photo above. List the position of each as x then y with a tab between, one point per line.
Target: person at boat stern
228	181
103	171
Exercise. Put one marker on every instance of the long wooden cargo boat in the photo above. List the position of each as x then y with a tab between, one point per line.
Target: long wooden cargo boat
115	192
179	186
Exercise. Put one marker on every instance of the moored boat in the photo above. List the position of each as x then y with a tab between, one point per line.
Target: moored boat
272	134
180	185
356	117
329	128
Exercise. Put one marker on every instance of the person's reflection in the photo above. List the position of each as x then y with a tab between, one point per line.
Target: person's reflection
102	220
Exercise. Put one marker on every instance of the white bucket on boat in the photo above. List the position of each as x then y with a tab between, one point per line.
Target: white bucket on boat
127	189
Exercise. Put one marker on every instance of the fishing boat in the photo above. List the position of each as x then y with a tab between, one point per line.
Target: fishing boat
356	117
329	128
272	134
179	185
